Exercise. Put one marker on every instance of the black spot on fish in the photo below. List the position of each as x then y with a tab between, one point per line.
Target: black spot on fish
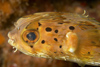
48	29
88	52
60	46
71	27
31	46
55	39
56	31
43	41
39	24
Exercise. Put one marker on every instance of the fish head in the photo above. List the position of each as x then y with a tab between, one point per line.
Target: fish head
25	35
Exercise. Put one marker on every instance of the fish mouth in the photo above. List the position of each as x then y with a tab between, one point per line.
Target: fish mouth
11	41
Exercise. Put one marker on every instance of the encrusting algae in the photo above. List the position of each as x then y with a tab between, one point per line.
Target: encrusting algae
63	36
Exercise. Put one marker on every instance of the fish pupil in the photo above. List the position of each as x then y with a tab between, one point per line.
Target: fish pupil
31	36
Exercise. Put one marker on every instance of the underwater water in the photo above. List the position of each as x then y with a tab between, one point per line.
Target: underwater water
12	10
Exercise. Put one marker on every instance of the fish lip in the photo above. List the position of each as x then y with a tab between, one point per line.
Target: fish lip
11	42
9	34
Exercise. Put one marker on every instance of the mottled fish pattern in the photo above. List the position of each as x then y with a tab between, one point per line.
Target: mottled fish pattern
64	36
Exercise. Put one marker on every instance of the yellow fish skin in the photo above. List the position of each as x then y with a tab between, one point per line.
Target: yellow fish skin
58	35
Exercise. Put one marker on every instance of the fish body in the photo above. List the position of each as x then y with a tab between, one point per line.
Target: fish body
63	36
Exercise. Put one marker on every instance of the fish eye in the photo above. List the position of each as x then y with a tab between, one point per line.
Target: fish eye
30	36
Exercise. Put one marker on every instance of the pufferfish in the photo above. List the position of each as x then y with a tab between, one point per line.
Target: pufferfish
64	36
